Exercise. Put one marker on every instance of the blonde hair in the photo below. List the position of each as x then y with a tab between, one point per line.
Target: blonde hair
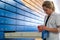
49	4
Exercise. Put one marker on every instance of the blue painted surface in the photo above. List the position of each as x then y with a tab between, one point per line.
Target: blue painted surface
2	35
1	12
15	16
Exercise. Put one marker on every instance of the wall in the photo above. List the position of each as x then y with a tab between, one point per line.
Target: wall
21	15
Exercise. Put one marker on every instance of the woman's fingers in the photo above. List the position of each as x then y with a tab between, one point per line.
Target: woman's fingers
41	28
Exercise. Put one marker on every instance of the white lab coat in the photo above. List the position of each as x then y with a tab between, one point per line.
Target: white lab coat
53	22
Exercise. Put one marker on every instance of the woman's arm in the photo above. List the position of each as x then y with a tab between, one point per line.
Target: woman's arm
55	30
52	30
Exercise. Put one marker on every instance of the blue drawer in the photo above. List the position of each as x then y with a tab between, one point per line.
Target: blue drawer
11	8
2	19
2	35
10	14
2	12
2	27
20	17
10	28
20	28
20	11
10	2
20	22
10	21
1	4
30	29
7	28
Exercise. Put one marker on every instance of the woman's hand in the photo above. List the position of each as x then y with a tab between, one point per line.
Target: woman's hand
41	28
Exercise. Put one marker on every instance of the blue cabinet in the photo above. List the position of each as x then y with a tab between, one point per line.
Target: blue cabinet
19	1
10	28
20	28
9	2
20	11
7	28
1	4
20	17
30	28
10	14
20	22
11	8
2	27
2	12
2	19
1	35
10	21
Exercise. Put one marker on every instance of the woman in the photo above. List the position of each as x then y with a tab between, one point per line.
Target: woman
53	23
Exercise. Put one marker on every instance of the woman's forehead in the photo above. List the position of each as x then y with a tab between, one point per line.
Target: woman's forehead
44	8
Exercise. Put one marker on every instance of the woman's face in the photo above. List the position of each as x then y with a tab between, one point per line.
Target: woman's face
47	10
